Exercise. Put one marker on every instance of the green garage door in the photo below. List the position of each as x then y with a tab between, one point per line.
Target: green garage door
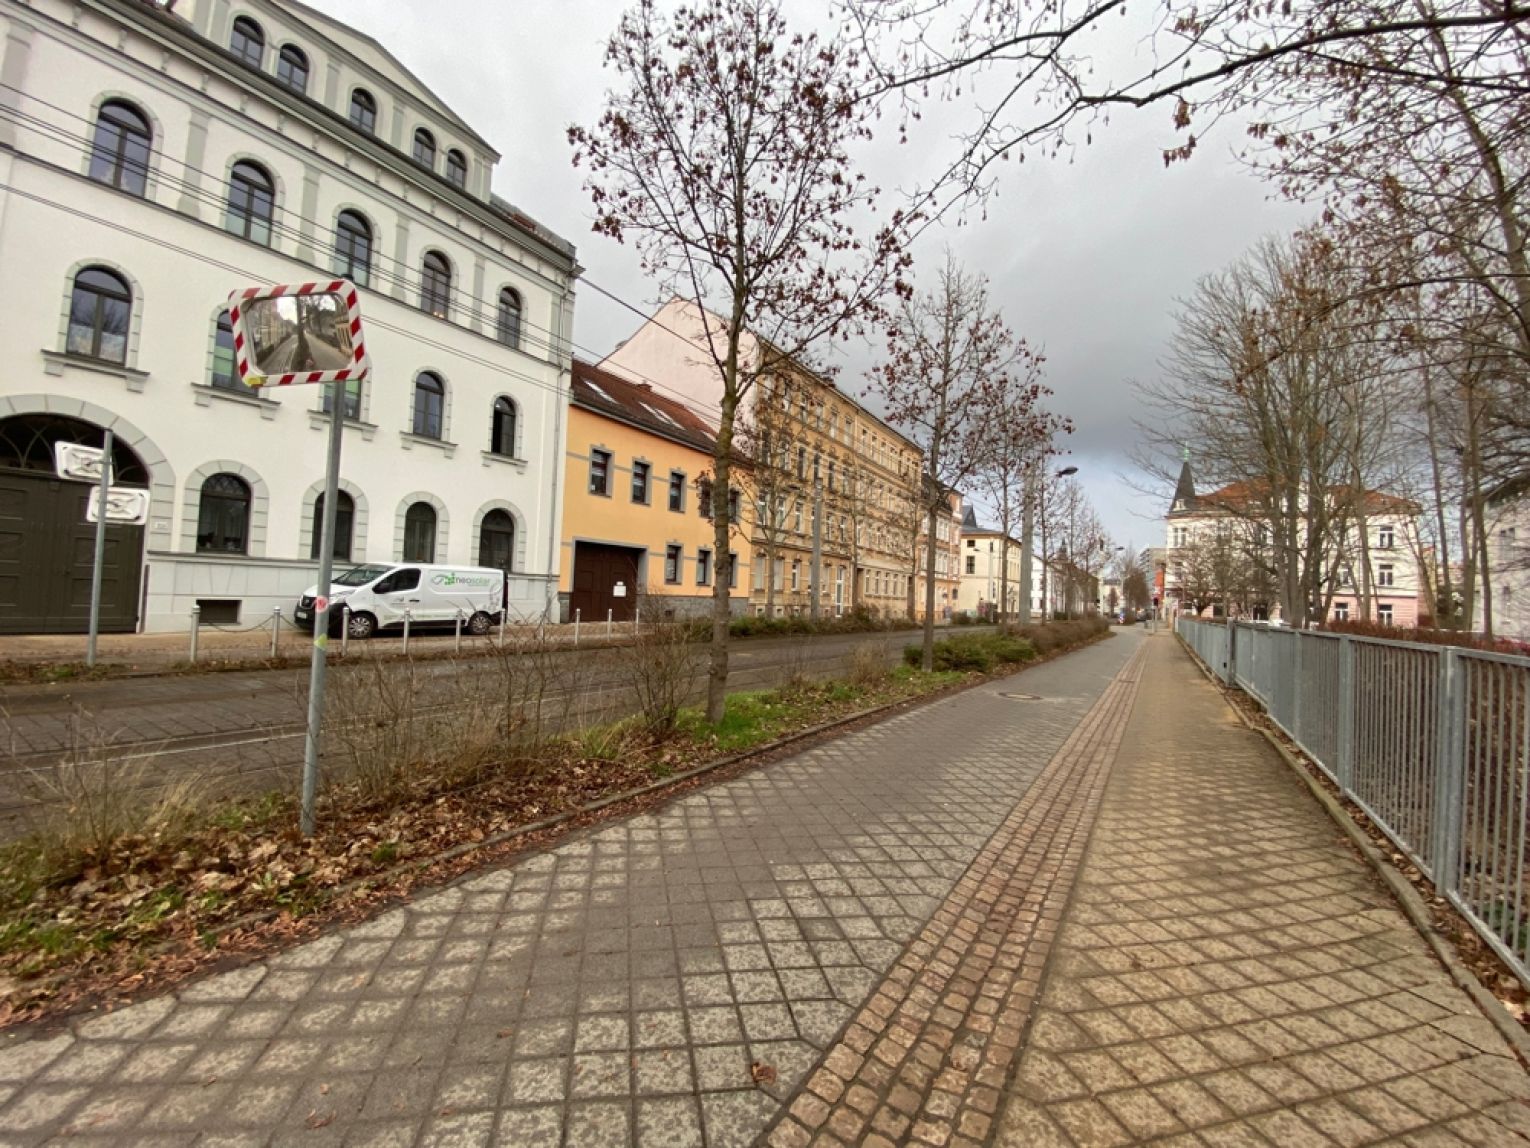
47	547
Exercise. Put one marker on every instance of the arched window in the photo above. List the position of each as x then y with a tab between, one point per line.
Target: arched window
456	167
364	111
353	247
100	315
345	522
508	326
436	285
119	152
424	148
429	404
223	516
502	437
292	68
420	533
224	373
496	541
251	202
247	41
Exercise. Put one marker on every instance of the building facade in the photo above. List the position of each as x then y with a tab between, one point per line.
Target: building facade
151	161
637	517
819	463
1218	559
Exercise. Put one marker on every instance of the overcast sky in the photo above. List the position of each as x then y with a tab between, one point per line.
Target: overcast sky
1086	257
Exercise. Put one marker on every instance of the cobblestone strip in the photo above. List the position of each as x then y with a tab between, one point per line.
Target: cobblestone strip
1229	973
925	1059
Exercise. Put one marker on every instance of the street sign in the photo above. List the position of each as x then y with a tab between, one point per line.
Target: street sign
298	333
123	504
78	462
320	604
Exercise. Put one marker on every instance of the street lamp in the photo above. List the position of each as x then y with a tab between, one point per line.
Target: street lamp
1027	531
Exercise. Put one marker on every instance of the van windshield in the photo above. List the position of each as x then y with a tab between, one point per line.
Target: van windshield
360	575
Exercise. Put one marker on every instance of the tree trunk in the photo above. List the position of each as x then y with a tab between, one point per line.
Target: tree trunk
928	660
722	603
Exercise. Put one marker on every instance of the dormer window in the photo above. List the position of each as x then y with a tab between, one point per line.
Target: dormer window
247	41
424	148
456	168
292	68
363	113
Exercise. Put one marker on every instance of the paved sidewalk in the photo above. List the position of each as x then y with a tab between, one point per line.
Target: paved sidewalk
1229	973
671	979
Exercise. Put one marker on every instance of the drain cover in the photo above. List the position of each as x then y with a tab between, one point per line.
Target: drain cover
1022	697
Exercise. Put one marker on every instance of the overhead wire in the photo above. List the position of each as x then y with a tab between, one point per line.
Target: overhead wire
387	269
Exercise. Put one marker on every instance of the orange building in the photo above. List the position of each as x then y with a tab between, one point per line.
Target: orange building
637	522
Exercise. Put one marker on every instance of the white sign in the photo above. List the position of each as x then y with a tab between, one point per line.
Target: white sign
619	590
80	462
123	504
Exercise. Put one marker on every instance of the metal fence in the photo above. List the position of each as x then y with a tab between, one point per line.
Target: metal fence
1433	742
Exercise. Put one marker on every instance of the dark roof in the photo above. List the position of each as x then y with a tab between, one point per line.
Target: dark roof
1184	490
637	404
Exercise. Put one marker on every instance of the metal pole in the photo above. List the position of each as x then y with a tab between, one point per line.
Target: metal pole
406	629
1348	699
457	636
345	626
576	627
608	624
321	617
276	628
196	625
95	570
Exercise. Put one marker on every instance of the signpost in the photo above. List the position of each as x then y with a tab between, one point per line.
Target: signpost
298	334
93	464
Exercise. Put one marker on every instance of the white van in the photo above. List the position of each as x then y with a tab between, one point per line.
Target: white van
378	595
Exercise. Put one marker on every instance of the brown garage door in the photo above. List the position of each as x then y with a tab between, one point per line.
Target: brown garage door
597	571
46	552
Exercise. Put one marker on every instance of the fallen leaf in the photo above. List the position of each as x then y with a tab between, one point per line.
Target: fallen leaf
316	1121
762	1073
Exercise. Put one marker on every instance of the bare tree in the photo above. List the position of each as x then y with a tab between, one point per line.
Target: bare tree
725	155
952	367
1028	71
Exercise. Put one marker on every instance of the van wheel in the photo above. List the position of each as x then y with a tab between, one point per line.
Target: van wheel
361	626
479	624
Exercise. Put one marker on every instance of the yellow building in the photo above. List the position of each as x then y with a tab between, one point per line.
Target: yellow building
637	523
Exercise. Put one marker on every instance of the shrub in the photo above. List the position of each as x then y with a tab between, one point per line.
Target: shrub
868	664
974	652
1427	635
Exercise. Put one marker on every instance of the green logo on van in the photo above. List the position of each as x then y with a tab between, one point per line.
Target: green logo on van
450	578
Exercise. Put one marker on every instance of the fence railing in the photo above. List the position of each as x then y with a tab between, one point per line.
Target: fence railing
1433	742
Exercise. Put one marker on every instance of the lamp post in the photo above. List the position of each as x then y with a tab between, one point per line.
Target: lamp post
1027	543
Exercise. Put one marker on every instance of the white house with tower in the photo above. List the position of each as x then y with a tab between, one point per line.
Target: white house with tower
156	156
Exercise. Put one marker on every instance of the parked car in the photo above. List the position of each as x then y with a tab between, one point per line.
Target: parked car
377	596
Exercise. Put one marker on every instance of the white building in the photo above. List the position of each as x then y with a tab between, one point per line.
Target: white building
153	160
1508	552
1219	549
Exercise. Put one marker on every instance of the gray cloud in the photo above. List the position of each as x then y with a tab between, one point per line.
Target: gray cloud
1085	255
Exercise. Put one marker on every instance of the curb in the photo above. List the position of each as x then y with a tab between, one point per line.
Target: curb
1401	888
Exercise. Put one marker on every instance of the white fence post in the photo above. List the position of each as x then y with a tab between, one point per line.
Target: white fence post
406	630
196	624
1449	770
276	628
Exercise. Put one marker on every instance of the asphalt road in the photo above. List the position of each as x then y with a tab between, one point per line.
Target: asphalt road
244	731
